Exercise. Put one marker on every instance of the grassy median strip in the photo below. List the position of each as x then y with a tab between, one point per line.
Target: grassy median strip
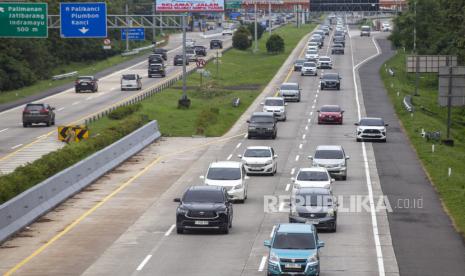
430	117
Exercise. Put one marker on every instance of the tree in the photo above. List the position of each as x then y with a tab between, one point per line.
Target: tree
275	44
260	30
241	39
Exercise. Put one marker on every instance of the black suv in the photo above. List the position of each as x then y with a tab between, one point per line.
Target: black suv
339	40
157	69
200	51
156	58
178	60
330	81
162	52
262	124
216	44
37	113
204	207
86	83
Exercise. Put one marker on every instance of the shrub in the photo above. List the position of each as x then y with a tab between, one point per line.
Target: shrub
241	39
275	44
206	117
124	111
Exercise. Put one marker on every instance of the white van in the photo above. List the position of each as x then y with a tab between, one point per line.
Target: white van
130	82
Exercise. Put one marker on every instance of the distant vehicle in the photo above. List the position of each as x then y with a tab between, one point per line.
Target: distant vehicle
315	177
178	60
330	114
277	106
309	68
190	43
313	44
318	38
86	83
230	175
330	81
325	62
162	52
131	81
365	31
312	55
156	69
315	206
38	113
216	44
290	91
386	27
337	48
260	160
371	128
298	64
262	124
191	55
339	40
340	32
204	207
156	58
325	29
227	31
318	41
333	158
312	48
294	250
200	51
321	33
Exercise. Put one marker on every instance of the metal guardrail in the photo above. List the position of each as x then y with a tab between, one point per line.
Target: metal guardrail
408	103
63	76
138	50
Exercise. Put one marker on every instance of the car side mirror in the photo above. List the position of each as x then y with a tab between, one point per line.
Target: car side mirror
333	180
310	157
275	156
177	199
357	124
386	124
321	244
239	156
347	157
267	243
246	177
202	177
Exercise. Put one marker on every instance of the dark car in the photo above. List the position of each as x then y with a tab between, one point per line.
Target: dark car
38	113
339	40
156	69
330	81
204	207
200	51
216	44
178	60
298	64
340	33
330	114
337	48
86	83
315	206
262	124
162	52
156	58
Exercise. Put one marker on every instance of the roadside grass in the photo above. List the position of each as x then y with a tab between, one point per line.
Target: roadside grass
450	188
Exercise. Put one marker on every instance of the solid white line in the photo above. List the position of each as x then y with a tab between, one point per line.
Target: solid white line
60	109
300	146
245	136
292	171
287	187
308	120
17	146
238	145
170	230
272	231
297	158
313	106
374	222
3	130
262	264
306	127
143	263
229	157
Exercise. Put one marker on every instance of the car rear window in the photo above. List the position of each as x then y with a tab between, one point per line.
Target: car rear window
329	108
329	154
129	77
34	107
203	196
84	79
371	122
302	241
289	87
330	76
321	200
155	66
224	173
324	59
257	153
312	176
365	29
274	102
309	64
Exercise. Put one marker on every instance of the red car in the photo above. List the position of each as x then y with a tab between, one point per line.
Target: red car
330	114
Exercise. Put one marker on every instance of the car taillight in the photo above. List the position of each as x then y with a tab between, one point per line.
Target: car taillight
43	111
25	111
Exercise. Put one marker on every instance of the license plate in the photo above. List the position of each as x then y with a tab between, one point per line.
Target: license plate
84	83
292	265
255	169
312	221
201	222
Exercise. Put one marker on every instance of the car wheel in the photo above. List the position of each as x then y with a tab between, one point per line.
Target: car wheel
334	228
48	123
179	230
338	87
359	140
24	124
53	122
344	177
77	91
322	87
225	229
274	136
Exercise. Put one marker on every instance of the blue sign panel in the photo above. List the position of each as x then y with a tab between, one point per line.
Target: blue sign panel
134	34
83	20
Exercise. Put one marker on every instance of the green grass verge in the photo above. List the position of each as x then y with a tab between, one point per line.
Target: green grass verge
451	189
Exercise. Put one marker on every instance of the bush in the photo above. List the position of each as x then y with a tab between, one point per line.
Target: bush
241	39
124	111
260	30
275	44
206	117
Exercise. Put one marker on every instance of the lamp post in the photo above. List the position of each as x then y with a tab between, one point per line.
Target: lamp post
417	62
255	19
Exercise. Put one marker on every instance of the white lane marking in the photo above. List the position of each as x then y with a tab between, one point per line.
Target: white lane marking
297	158
313	106
304	136
306	127
309	120
318	91
75	103
288	186
41	136
311	113
144	262
17	146
170	230
272	231
292	171
374	222
3	130
60	109
229	157
300	146
262	264
314	101
281	206
316	96
90	98
238	145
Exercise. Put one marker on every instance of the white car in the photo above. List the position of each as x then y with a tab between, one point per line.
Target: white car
277	105
131	81
309	68
227	31
190	43
370	128
386	27
260	160
314	177
313	44
228	174
312	48
191	55
333	158
312	55
325	62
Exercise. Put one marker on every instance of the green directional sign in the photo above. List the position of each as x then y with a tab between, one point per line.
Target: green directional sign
23	20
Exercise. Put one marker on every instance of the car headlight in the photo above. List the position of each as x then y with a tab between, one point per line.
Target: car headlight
331	213
237	187
312	260
182	211
268	162
222	212
327	186
252	127
270	128
296	186
273	258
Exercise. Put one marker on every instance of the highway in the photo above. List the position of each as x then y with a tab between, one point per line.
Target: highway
21	145
132	233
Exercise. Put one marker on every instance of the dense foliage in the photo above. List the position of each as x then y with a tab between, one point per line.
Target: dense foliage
241	38
260	30
275	44
440	27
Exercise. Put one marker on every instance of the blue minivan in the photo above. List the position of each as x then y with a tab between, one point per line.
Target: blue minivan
294	249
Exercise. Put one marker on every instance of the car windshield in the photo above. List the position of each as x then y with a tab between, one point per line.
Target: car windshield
299	61
338	38
312	52
224	174
34	107
289	87
85	78
257	153
365	29
329	154
262	119
372	122
309	64
337	46
274	102
330	76
330	108
324	59
155	66
203	196
320	200
312	176
129	77
302	241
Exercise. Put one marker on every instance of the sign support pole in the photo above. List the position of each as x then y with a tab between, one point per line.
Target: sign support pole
449	104
270	25
255	19
184	72
127	30
154	32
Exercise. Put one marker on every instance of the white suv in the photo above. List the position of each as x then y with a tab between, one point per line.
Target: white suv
312	55
325	62
333	158
309	68
131	81
259	160
277	106
315	177
228	174
370	128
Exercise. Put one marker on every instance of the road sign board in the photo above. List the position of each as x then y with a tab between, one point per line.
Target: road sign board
134	34
107	41
23	20
83	20
200	63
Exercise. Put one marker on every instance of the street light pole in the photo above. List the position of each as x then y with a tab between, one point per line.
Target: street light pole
269	16
154	32
255	19
127	29
184	72
417	61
